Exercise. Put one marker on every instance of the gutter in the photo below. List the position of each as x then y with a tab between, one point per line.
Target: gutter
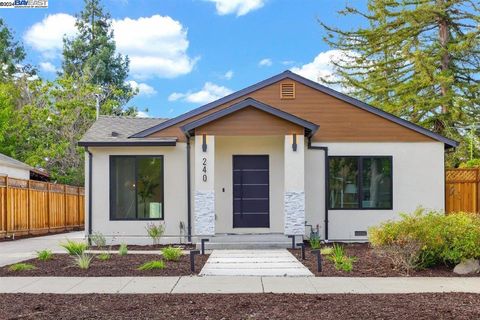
189	195
325	150
90	158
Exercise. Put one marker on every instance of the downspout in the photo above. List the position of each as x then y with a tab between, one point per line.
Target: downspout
90	158
189	195
325	150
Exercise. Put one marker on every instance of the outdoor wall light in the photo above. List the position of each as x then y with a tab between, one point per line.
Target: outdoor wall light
294	143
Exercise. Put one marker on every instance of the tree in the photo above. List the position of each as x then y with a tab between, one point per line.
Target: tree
12	54
92	55
418	59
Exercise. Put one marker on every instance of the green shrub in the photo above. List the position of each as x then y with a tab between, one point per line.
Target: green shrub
104	256
425	239
44	255
472	163
83	261
315	242
171	253
123	249
98	239
340	260
21	267
155	232
74	248
151	265
326	251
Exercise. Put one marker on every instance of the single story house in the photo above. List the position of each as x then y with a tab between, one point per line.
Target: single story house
284	156
16	169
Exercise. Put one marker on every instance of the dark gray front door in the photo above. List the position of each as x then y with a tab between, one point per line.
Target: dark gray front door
251	203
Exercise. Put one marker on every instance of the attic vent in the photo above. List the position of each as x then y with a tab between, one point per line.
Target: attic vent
287	90
114	134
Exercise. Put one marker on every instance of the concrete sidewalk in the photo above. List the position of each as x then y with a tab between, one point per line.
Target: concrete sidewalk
220	284
19	250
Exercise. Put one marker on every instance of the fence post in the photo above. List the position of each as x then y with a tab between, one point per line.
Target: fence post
65	206
5	213
29	211
78	207
48	206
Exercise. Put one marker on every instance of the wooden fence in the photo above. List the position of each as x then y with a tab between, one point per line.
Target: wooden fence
35	207
462	190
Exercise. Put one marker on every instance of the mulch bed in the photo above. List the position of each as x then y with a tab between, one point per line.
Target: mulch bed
62	265
241	306
367	264
147	247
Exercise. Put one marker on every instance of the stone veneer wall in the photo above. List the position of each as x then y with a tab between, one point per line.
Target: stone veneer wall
294	204
204	213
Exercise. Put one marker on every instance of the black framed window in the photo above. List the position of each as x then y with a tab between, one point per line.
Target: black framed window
360	182
136	188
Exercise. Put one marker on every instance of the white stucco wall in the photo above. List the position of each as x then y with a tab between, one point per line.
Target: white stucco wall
175	194
13	172
418	180
294	190
225	148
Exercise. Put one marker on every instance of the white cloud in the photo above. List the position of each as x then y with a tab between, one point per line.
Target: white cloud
48	67
47	35
228	75
267	62
321	66
143	114
210	92
156	45
238	7
143	88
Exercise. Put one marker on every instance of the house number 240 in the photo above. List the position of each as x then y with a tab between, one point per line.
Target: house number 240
204	169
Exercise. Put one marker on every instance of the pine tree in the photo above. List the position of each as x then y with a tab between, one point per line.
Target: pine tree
92	54
419	59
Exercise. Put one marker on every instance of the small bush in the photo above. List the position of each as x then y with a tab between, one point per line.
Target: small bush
315	242
151	265
340	260
44	255
74	248
123	249
155	232
21	267
428	238
98	239
83	261
171	253
104	256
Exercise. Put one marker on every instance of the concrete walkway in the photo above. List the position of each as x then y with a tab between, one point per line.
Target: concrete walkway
309	285
18	250
273	263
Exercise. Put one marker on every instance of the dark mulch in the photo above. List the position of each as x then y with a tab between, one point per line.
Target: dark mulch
148	247
241	306
367	264
62	265
27	236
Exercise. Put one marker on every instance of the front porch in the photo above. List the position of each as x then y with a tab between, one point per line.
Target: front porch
248	179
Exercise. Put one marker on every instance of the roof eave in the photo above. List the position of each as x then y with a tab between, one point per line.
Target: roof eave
171	143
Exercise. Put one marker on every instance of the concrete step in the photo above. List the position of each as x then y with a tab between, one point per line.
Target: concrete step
248	241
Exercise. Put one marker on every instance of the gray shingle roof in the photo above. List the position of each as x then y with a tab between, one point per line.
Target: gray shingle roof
116	130
14	162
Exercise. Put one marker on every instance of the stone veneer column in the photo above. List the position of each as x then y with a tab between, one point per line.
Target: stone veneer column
204	203
294	192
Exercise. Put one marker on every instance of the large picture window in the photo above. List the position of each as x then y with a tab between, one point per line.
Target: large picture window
136	188
360	182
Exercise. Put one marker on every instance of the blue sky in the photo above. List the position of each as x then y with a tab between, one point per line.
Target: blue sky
184	53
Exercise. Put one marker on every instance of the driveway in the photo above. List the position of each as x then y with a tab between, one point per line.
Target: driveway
24	249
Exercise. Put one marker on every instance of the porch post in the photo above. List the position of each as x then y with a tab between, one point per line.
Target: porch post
294	192
204	203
